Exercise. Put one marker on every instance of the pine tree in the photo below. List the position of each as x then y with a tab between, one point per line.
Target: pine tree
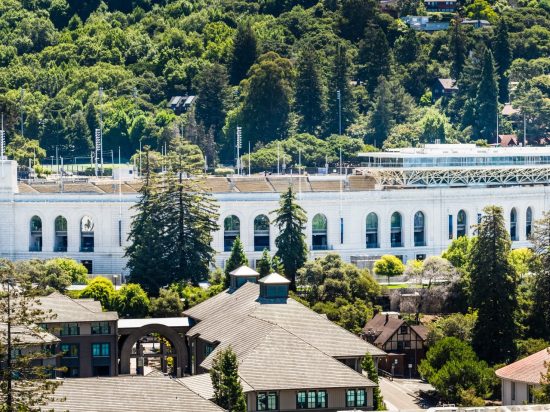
310	96
340	81
356	14
291	244
382	118
80	136
264	264
493	285
457	48
245	52
237	258
228	391
486	108
367	365
374	57
25	384
540	322
277	266
503	59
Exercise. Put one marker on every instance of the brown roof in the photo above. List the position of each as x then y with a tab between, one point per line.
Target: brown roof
384	327
527	370
124	393
508	140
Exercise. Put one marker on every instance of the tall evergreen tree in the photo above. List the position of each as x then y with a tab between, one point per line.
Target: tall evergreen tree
340	81
80	136
381	117
374	57
228	391
291	244
25	382
310	95
486	109
540	322
367	365
237	258
355	15
503	59
245	52
493	285
264	264
457	48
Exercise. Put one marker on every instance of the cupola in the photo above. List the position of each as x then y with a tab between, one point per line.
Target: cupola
274	287
241	275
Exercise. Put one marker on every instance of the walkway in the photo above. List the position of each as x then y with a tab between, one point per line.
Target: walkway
402	394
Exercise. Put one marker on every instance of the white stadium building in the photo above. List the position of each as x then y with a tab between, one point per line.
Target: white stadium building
406	202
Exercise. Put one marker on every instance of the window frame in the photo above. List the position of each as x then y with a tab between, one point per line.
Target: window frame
268	396
102	353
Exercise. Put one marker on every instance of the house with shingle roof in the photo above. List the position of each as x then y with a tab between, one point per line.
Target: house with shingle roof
404	343
289	356
521	377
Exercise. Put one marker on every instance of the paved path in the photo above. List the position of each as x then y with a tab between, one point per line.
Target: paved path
401	394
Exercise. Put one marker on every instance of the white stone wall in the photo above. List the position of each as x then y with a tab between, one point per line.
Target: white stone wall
16	210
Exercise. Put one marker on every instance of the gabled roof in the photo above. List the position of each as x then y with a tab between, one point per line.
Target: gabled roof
123	393
448	84
274	279
66	309
384	326
527	370
244	271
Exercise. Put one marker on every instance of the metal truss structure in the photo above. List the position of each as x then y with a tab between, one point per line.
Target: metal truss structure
465	176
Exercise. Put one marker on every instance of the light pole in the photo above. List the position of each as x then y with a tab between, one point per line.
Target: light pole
101	125
239	145
22	116
339	97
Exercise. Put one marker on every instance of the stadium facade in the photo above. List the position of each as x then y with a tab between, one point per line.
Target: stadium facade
406	202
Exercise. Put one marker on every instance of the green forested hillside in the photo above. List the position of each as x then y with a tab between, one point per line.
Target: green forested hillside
273	67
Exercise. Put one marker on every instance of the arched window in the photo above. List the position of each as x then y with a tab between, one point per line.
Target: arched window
513	224
261	233
86	234
419	230
319	232
396	230
528	221
461	224
372	231
60	240
231	230
35	242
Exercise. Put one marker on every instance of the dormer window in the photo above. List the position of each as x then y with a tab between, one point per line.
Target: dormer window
274	286
241	275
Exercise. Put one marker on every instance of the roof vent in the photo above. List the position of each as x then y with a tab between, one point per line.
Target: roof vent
241	275
274	288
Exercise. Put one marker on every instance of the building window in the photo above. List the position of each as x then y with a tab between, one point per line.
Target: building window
450	227
70	329
35	241
208	348
513	225
101	349
101	328
70	350
356	398
461	224
311	399
419	232
513	390
528	222
403	330
232	230
71	372
372	231
60	240
267	401
261	233
396	230
319	232
86	234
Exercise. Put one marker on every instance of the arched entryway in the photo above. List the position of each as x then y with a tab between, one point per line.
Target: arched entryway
176	341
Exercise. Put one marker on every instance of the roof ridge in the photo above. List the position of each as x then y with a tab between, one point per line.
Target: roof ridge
178	380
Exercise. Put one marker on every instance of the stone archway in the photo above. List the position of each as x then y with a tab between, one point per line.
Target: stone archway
177	342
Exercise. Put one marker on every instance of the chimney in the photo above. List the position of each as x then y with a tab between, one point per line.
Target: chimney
387	319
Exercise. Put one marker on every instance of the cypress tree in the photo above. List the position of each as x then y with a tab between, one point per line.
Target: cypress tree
264	264
340	81
486	108
493	286
228	391
367	365
457	48
310	96
540	323
277	265
382	117
291	245
374	57
245	52
237	258
503	59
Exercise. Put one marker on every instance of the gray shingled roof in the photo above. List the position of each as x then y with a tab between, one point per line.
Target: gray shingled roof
202	385
125	393
71	310
26	335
